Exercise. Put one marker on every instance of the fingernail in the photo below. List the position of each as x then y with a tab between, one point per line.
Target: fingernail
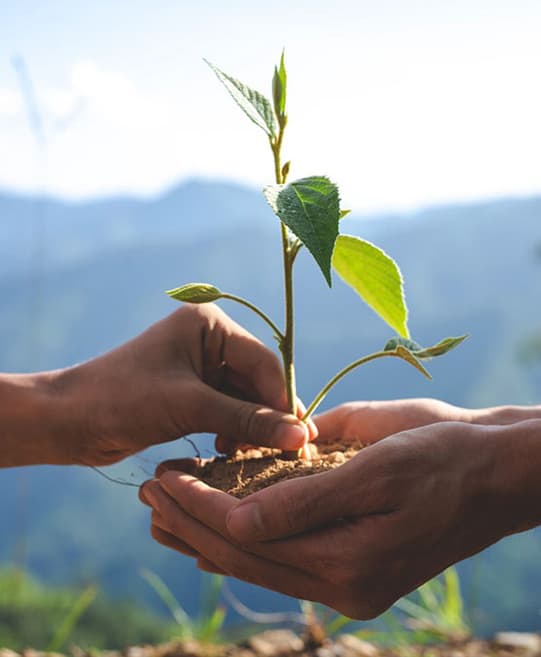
290	436
186	465
244	522
160	470
169	480
150	497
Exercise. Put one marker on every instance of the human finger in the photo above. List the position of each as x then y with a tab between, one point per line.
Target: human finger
357	488
288	508
308	551
187	465
257	366
310	424
330	424
168	540
361	422
209	505
229	444
235	561
248	422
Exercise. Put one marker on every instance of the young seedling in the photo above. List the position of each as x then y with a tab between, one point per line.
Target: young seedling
309	216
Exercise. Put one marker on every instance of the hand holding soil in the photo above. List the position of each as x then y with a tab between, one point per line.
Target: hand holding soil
360	536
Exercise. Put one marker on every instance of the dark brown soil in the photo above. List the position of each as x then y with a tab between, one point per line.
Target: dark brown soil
247	472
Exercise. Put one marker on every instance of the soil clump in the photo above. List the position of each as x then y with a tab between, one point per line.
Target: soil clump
246	472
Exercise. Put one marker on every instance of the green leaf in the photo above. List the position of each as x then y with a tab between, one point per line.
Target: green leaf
413	352
438	349
279	89
256	107
375	277
195	293
310	208
408	356
344	213
441	347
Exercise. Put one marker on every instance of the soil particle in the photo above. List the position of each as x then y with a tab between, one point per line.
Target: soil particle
355	647
530	644
246	472
275	643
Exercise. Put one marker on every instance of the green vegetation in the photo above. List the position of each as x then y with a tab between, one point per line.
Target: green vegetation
309	215
434	613
207	626
50	618
53	618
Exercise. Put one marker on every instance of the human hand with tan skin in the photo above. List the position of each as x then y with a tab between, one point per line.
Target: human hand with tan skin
359	537
194	371
367	422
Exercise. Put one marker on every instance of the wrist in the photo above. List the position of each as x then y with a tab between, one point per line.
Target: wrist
84	397
33	416
516	482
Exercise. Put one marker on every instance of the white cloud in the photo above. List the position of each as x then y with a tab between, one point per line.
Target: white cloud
397	121
57	102
112	95
10	102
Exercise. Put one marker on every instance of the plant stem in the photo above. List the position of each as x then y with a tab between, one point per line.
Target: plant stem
361	361
258	311
286	346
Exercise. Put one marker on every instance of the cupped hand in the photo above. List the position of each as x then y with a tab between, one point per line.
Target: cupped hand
366	421
370	421
356	538
194	371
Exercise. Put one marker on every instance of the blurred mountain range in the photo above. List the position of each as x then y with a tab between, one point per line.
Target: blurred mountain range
79	278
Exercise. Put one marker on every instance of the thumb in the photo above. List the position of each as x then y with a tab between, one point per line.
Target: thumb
292	507
252	423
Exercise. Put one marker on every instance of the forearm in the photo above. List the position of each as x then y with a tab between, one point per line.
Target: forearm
33	419
516	471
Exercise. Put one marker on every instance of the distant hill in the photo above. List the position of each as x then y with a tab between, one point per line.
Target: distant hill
69	231
100	280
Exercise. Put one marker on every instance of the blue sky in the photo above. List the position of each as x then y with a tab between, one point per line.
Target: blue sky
402	103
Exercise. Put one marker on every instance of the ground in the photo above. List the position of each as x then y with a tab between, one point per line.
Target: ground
285	643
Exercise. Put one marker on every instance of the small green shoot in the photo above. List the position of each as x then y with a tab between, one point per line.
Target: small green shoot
207	627
435	611
309	214
65	629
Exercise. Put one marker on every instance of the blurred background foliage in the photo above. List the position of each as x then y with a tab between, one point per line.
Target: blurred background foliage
33	614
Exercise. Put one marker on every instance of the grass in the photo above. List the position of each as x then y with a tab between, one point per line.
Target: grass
51	617
207	626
